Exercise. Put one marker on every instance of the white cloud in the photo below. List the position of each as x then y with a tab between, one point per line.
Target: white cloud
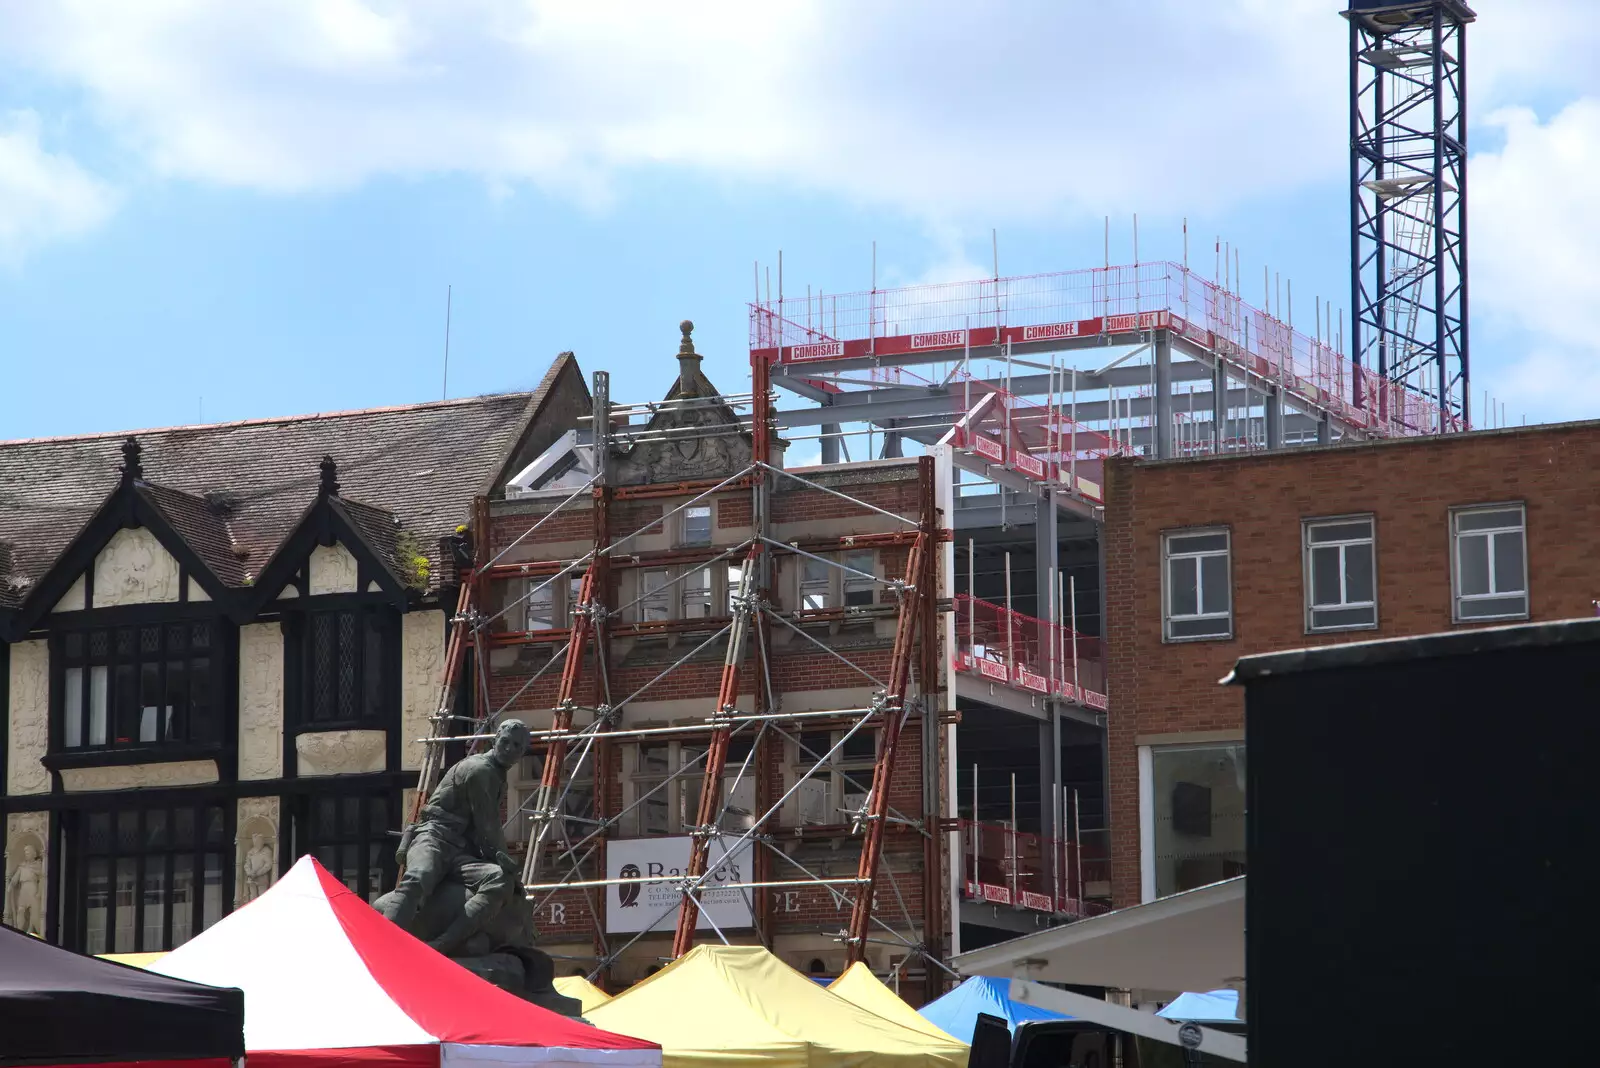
1535	271
945	110
43	196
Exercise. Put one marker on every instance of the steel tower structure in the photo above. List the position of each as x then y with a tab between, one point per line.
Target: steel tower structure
1408	204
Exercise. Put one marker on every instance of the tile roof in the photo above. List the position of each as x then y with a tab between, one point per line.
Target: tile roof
235	490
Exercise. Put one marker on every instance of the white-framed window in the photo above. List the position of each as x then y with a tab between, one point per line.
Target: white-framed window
840	787
733	583
695	525
1198	599
522	784
696	594
666	803
1489	562
552	606
822	585
1341	573
574	589
653	604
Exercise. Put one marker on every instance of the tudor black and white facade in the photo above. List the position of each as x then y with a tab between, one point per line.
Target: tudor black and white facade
222	646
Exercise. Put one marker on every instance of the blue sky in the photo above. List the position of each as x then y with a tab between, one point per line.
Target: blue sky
232	211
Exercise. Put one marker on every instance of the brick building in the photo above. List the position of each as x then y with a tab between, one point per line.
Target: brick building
1212	558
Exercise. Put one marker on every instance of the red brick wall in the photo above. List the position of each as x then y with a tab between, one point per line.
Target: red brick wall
1159	688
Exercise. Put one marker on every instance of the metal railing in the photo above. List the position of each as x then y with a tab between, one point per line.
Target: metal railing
1003	866
1028	653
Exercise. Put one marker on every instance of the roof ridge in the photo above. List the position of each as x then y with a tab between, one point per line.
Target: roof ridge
100	435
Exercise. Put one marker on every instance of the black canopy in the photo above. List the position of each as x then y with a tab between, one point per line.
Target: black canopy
57	1007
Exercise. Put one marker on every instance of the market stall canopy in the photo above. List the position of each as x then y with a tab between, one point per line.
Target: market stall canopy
1216	1006
861	988
740	1005
576	986
57	1008
1188	941
329	981
957	1012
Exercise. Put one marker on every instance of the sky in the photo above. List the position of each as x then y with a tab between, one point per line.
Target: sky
214	211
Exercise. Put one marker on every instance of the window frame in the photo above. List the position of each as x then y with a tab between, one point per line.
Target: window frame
676	592
681	536
682	805
80	859
837	585
840	768
299	697
1167	618
222	655
1307	576
1148	755
1456	596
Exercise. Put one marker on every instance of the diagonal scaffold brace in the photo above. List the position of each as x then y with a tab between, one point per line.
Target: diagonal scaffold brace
708	820
912	625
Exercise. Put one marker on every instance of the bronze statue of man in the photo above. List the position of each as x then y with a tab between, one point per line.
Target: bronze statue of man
459	835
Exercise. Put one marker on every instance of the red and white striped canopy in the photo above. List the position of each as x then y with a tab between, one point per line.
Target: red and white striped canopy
328	981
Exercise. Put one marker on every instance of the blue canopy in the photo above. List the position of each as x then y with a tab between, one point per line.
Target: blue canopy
956	1013
1219	1006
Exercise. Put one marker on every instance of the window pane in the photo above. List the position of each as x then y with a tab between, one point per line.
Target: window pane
203	719
1198	798
1213	584
372	673
125	936
155	830
574	594
125	704
1354	530
1513	605
183	899
97	899
654	605
324	653
1335	618
1196	543
1472	551
154	932
177	697
211	904
1214	627
183	828
1183	587
214	826
696	588
1325	575
735	578
348	654
858	588
1508	562
127	832
541	605
72	707
151	701
1358	578
697	524
860	746
1496	519
99	678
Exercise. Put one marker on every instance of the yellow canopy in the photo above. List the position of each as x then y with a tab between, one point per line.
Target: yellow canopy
576	986
723	1006
137	960
860	987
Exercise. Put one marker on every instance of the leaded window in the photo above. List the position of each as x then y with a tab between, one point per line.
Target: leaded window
348	666
139	686
349	835
151	878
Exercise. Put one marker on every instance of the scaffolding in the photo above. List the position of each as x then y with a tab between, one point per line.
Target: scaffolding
907	691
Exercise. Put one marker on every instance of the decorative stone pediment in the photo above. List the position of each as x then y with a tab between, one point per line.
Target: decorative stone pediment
699	452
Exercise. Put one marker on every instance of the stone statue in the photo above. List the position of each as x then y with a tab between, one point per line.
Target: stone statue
459	835
258	865
24	893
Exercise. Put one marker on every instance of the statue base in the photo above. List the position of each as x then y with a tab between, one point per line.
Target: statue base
512	973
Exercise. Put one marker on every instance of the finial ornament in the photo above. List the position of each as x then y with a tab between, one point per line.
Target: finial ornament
132	469
330	481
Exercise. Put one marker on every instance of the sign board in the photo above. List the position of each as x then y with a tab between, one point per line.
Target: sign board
653	904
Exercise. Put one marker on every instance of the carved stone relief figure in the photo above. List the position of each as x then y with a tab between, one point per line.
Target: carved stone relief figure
257	848
134	568
25	888
340	752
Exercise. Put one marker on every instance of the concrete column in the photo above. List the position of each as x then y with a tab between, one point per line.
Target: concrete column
1162	402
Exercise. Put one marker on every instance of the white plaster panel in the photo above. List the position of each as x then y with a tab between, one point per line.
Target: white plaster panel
134	568
75	599
421	675
139	776
289	591
28	734
261	701
255	848
196	593
340	753
27	870
333	570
